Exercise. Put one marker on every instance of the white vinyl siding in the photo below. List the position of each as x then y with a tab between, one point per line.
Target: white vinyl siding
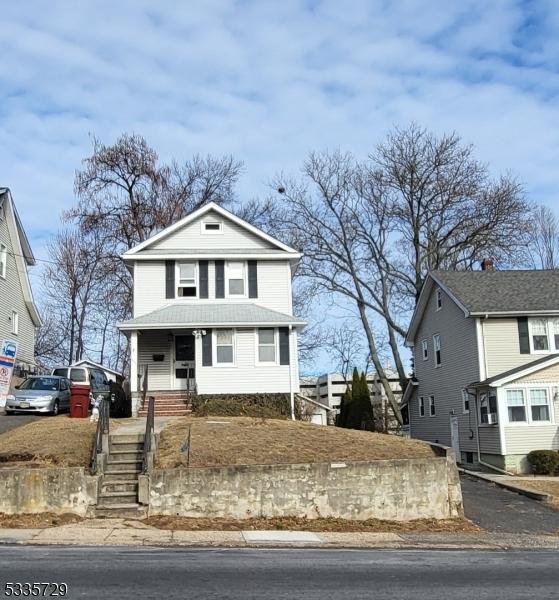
191	236
159	372
244	378
273	286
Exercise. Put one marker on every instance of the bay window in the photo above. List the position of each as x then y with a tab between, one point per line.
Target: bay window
224	346
539	405
516	405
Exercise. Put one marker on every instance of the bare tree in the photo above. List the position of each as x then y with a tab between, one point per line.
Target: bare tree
346	348
543	247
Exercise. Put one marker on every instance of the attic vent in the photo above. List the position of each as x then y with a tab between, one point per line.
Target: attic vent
211	226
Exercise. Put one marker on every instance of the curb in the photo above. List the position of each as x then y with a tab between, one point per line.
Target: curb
539	496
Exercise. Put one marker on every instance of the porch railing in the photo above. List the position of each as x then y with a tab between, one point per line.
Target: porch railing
102	429
150	421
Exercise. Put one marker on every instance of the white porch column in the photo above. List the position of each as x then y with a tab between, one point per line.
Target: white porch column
134	372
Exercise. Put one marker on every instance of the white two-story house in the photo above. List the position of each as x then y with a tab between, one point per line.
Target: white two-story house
486	360
213	309
19	317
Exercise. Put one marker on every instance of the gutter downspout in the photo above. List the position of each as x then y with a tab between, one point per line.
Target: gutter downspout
291	394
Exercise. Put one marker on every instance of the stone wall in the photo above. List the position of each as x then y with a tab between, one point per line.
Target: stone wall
398	490
56	490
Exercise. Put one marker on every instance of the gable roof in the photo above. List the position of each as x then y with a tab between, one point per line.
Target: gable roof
86	361
492	293
518	372
22	253
210	206
217	314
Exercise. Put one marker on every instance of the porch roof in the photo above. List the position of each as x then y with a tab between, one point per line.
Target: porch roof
208	315
517	372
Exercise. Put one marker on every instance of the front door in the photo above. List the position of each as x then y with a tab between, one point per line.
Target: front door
184	367
455	436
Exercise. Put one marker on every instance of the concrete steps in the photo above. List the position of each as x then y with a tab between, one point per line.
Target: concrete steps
118	495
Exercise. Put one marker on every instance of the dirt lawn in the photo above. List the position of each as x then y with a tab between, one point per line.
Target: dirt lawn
217	441
547	486
51	441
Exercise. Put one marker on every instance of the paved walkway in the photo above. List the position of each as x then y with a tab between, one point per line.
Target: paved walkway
499	510
122	532
135	425
8	422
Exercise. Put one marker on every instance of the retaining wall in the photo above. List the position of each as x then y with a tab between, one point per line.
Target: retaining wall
56	490
399	490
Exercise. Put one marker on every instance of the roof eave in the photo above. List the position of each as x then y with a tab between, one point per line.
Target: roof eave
135	326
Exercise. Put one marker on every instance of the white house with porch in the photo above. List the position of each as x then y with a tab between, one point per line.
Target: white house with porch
212	310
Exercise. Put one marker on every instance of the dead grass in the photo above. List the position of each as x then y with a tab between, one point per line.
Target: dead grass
546	486
39	521
301	524
221	441
51	441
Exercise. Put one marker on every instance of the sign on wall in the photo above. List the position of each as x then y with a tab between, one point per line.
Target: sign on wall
8	351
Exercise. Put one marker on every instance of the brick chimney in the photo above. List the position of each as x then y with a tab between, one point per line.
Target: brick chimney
487	264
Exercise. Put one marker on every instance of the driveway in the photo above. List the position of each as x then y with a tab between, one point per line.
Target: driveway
496	509
8	422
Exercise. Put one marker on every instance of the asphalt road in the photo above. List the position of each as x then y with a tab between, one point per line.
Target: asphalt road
496	509
243	574
8	422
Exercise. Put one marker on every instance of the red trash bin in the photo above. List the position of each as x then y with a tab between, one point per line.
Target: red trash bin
79	401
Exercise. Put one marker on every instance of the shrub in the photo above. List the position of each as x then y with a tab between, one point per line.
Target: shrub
269	406
544	462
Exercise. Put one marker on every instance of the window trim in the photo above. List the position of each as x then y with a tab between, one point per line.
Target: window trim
257	360
436	337
3	260
222	365
438	299
421	406
178	277
550	339
245	279
432	407
205	231
425	349
15	322
529	422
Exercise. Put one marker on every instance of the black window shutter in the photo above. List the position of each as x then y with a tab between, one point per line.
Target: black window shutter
203	271
284	345
169	279
252	279
207	349
219	279
523	335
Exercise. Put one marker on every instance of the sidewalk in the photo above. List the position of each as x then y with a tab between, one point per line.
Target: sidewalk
120	532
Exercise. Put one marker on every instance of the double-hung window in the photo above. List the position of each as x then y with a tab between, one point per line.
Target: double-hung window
539	335
224	346
437	348
432	411
267	352
187	280
439	299
421	406
3	260
539	405
424	349
235	276
516	406
15	322
555	333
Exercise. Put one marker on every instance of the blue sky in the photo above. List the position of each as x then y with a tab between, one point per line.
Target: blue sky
269	81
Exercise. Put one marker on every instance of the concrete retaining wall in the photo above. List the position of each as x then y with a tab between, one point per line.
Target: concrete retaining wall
57	490
388	489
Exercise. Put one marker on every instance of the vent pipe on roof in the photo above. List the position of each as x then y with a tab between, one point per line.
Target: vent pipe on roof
487	264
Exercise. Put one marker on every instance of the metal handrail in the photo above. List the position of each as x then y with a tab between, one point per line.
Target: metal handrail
150	422
102	429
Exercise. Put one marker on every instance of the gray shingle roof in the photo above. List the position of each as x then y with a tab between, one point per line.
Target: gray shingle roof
518	370
215	314
503	291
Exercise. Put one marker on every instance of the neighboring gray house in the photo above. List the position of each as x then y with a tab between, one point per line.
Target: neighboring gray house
486	357
213	309
19	317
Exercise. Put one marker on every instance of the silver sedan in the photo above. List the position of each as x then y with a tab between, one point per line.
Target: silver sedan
42	394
